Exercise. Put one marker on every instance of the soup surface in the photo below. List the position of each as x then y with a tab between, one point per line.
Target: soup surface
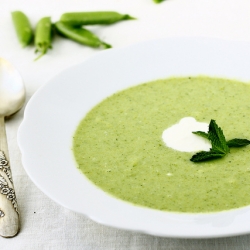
119	146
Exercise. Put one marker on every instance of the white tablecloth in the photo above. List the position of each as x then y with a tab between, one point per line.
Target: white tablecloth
45	224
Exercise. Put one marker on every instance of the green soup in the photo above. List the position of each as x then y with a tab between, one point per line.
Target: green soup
119	146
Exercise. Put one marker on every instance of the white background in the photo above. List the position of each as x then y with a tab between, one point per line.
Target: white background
44	224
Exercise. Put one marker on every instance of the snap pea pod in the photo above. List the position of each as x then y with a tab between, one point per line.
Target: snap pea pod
96	17
43	36
22	27
158	1
80	35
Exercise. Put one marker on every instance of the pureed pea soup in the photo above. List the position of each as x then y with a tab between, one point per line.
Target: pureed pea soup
119	146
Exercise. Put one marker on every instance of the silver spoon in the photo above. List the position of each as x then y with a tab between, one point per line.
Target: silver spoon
12	97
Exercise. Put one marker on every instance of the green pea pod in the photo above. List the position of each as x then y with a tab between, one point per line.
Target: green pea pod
97	17
22	27
43	36
80	35
158	1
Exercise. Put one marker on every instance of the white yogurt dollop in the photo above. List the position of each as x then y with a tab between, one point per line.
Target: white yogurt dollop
180	136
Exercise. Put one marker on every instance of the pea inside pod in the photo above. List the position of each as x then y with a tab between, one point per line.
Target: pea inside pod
80	35
96	17
43	36
23	28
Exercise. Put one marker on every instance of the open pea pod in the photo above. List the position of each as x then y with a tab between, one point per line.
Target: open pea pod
43	36
95	17
80	35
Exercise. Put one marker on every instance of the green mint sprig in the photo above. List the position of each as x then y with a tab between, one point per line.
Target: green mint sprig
220	147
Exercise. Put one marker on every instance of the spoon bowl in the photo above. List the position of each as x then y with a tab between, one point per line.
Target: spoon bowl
12	97
12	90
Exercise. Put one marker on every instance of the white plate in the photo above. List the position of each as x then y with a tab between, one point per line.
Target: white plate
54	111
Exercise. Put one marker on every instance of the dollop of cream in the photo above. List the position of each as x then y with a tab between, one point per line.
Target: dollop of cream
180	136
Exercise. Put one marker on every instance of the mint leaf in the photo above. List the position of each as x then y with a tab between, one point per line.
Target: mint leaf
201	133
206	155
217	138
220	147
236	143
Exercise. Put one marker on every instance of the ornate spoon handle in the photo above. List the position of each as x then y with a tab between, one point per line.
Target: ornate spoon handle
9	216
